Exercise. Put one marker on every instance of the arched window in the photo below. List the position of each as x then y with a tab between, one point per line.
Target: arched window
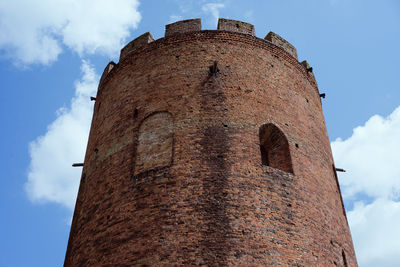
154	147
274	148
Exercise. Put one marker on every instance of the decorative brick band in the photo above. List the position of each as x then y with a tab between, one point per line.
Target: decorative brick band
236	26
279	41
136	43
189	25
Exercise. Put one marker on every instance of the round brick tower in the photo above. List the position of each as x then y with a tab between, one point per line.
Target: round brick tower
209	148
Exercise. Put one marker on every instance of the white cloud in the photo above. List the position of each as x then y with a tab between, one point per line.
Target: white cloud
36	31
213	9
51	177
372	184
376	233
202	8
371	156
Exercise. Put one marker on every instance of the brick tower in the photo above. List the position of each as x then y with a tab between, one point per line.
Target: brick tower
209	148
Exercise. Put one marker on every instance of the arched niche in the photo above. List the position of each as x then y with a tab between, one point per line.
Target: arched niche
155	141
274	148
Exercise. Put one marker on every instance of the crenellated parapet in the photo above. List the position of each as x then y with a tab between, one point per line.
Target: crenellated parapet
282	43
194	25
188	26
181	31
183	26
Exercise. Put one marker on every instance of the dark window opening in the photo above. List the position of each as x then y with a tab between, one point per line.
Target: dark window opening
274	148
264	156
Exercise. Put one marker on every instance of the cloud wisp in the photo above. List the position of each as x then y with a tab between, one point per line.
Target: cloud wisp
372	185
213	9
51	177
207	9
37	31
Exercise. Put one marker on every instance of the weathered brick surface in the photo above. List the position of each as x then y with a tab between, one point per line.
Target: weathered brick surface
235	26
189	25
279	41
135	44
215	204
155	142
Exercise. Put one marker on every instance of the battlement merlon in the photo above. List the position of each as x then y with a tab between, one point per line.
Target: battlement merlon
189	25
282	43
135	44
307	66
107	70
235	26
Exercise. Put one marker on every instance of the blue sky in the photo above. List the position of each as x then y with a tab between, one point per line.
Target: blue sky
51	56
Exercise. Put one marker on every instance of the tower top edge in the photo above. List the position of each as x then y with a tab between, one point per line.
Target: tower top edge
194	25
